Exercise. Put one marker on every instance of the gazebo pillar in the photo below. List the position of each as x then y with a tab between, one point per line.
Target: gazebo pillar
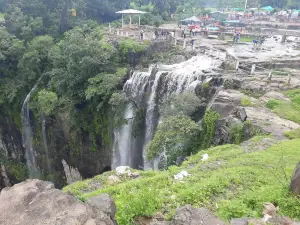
130	20
122	21
139	20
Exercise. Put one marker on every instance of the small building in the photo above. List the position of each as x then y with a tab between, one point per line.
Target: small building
130	13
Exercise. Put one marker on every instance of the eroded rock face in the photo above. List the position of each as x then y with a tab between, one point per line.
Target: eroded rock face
187	215
38	202
295	184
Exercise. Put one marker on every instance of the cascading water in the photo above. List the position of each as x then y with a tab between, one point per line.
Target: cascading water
33	170
123	142
150	90
45	142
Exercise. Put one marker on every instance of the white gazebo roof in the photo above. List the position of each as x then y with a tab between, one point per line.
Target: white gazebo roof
130	11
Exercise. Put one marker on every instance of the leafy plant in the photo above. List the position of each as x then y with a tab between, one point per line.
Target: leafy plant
246	101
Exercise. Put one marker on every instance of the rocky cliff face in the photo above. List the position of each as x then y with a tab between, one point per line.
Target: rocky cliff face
38	202
56	157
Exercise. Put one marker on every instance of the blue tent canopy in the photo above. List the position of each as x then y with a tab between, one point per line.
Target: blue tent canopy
268	8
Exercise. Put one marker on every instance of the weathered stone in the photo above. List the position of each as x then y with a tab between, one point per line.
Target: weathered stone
269	209
38	202
135	174
295	183
187	215
240	221
104	203
113	179
280	220
240	113
255	222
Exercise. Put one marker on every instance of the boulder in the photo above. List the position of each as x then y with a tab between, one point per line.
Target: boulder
295	183
269	209
113	179
38	202
104	203
187	215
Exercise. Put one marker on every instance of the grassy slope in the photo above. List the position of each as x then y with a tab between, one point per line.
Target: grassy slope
287	110
231	183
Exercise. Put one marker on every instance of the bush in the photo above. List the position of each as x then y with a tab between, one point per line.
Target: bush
293	134
272	104
237	133
246	101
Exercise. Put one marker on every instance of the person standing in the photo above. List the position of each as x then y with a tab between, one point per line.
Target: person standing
234	37
142	34
238	36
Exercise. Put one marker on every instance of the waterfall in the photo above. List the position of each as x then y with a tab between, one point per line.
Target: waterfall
45	143
33	170
150	90
123	141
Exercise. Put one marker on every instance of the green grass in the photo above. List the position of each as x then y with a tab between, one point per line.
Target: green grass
231	183
246	101
293	134
287	110
242	39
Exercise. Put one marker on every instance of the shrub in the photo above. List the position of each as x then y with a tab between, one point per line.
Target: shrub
237	132
272	104
293	134
246	101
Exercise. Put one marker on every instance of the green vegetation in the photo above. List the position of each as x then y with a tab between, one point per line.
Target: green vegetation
246	101
293	134
237	133
47	101
208	128
231	183
174	136
287	110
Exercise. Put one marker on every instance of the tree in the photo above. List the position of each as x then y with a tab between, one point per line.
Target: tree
11	51
35	59
174	137
81	55
182	104
47	102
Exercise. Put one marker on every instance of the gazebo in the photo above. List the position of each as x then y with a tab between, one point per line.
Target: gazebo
130	12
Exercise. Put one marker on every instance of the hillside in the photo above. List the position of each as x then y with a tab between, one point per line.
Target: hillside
233	183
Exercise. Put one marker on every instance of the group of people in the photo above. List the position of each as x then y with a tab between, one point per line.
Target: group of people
259	41
236	37
161	34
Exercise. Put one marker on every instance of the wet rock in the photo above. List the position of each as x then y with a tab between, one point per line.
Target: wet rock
104	203
38	202
113	179
295	183
187	215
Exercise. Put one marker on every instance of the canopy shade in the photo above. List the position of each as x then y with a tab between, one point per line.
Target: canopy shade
192	19
268	8
130	11
238	9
